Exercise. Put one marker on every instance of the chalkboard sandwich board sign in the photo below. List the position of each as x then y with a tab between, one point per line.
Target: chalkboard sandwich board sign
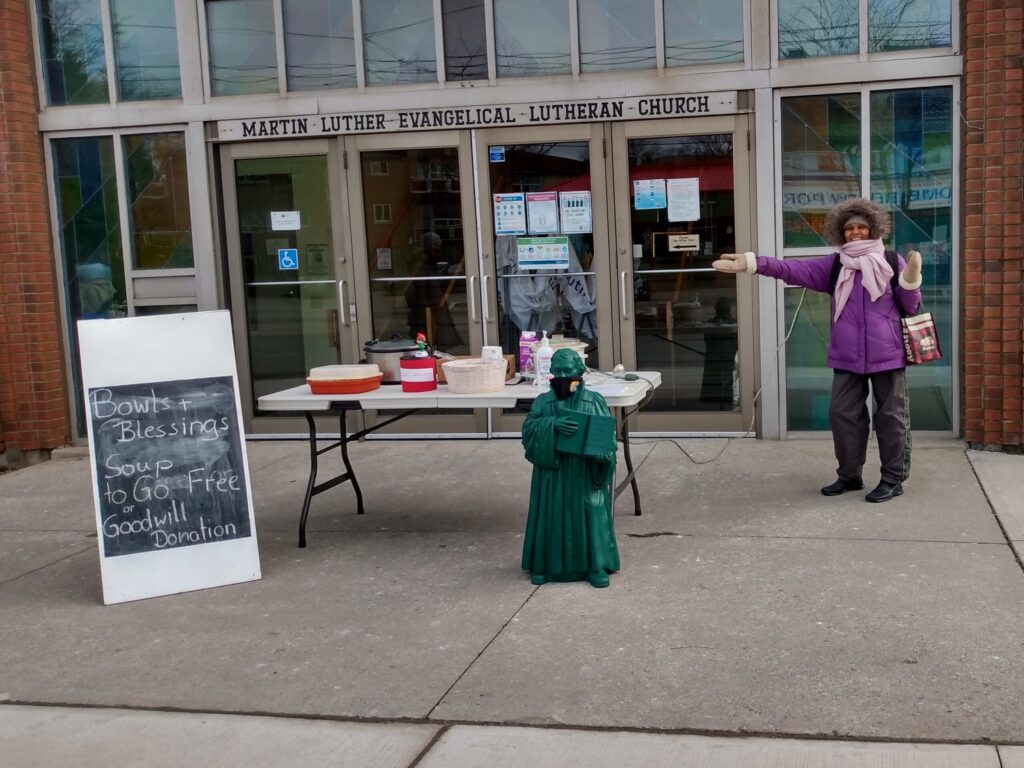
173	502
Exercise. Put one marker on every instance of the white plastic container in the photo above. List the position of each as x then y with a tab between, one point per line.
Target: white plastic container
542	361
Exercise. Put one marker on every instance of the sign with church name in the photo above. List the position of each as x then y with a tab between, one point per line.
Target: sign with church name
539	113
170	480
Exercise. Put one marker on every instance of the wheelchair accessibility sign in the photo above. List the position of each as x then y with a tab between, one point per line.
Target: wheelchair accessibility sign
287	258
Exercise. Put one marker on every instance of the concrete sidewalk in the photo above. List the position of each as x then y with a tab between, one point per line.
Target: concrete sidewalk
747	604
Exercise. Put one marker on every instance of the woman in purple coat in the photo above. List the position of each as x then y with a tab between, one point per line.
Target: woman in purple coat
866	344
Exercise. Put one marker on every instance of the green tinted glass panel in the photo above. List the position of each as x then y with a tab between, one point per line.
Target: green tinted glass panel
160	222
897	25
531	37
145	49
821	159
703	32
616	35
320	47
808	379
811	28
90	237
398	41
74	63
912	176
243	52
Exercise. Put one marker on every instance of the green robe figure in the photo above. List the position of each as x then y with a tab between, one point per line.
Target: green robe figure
569	531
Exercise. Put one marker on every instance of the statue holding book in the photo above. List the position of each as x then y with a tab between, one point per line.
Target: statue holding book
569	437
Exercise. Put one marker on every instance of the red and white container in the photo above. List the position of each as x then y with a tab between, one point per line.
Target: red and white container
419	374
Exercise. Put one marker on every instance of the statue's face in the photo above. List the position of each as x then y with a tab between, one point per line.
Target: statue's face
564	366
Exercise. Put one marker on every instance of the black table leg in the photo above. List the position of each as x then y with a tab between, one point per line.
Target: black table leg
630	477
350	473
312	478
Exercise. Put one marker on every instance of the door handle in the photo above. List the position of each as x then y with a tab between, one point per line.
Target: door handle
343	304
622	295
472	298
485	299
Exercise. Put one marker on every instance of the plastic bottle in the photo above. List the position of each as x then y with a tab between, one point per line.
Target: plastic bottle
542	361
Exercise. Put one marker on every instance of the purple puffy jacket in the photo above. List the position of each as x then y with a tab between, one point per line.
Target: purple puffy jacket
867	337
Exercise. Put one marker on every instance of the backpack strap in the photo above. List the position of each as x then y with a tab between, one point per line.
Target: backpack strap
894	281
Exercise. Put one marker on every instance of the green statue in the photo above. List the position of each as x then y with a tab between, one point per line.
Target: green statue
569	437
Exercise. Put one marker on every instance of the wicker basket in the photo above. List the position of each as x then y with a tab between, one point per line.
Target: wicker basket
474	375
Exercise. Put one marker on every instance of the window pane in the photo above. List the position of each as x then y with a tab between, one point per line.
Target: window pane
532	37
896	25
398	41
161	226
703	32
465	40
146	49
319	42
243	54
821	160
808	378
810	28
912	175
72	51
616	35
90	237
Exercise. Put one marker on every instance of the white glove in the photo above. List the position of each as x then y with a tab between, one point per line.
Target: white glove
910	277
736	263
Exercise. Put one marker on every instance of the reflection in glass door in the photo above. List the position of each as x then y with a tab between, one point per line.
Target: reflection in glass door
678	205
544	243
685	313
285	245
416	246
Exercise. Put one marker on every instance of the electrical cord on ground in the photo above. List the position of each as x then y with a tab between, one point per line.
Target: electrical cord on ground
753	403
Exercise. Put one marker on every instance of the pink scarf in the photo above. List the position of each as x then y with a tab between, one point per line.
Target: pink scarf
868	258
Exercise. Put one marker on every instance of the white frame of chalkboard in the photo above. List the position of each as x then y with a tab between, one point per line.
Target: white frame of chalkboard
141	350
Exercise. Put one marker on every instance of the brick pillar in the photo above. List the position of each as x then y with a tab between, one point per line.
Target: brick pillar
993	276
33	398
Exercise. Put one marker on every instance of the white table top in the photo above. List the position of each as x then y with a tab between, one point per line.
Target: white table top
617	393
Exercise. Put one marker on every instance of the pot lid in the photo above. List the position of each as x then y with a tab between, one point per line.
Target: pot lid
393	344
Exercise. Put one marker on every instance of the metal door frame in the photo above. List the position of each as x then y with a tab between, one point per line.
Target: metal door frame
229	153
597	134
468	424
688	422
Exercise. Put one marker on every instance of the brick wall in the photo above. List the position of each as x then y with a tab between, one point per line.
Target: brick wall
33	410
993	272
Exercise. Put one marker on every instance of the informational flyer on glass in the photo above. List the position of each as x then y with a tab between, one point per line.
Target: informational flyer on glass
510	214
542	213
543	252
574	208
648	194
683	200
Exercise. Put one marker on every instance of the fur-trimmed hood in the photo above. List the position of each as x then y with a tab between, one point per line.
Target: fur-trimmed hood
876	216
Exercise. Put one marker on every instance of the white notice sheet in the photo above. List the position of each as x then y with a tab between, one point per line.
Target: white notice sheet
683	200
575	211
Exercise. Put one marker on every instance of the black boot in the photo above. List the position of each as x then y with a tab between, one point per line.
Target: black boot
842	486
885	491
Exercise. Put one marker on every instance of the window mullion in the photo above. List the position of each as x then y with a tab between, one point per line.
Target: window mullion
492	54
862	31
574	38
121	179
659	33
282	72
357	34
865	144
108	50
439	56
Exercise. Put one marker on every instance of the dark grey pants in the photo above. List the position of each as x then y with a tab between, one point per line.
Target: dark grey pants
848	416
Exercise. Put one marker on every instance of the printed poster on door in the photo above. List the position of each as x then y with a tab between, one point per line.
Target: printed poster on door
510	214
574	208
683	200
542	213
649	194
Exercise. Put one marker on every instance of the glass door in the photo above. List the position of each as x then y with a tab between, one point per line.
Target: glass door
285	266
681	197
546	262
414	240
